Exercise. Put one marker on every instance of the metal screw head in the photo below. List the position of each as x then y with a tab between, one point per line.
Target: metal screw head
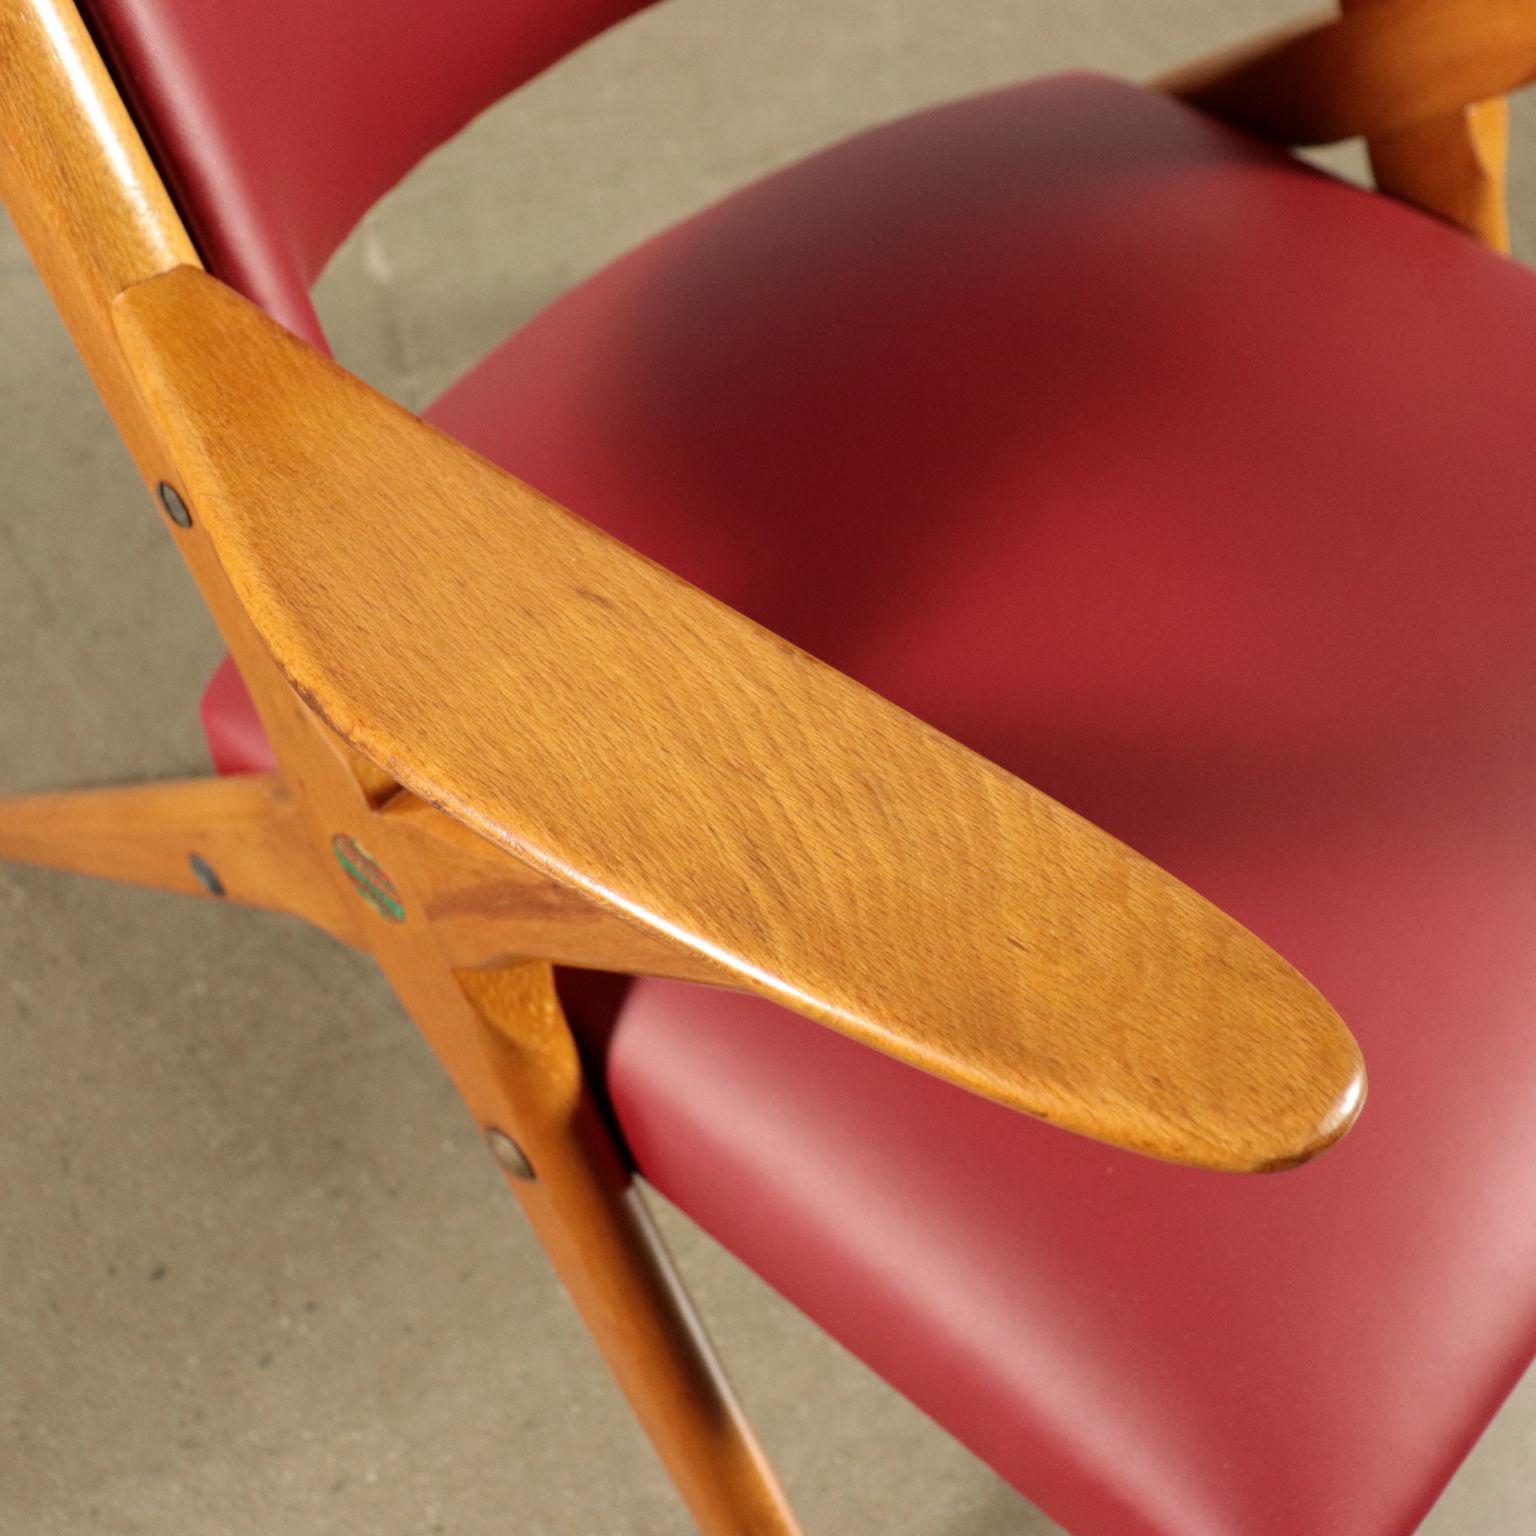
508	1154
206	877
175	507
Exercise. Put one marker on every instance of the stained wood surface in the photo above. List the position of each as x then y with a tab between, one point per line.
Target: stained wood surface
487	908
87	201
1382	67
245	829
630	737
526	1080
81	191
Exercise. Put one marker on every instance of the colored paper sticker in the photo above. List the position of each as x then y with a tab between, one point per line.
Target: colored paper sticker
368	879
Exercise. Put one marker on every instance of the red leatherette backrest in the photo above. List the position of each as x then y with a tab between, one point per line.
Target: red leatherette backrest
277	123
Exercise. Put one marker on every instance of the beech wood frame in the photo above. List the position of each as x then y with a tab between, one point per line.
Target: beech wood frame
472	963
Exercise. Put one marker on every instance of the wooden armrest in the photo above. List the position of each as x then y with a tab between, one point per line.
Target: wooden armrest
638	741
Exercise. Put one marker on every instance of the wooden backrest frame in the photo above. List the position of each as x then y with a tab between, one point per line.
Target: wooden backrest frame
1423	81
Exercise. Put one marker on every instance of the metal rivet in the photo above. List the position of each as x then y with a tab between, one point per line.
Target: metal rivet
175	507
509	1154
206	878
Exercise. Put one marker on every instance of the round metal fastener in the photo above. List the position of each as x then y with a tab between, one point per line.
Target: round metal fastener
509	1154
206	877
175	507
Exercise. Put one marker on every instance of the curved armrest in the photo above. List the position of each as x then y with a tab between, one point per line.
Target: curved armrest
632	738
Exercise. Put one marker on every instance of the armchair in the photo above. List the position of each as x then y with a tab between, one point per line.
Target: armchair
480	737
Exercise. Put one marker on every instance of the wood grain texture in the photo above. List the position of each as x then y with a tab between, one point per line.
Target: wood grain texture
503	1039
525	1075
246	829
630	737
1383	67
81	191
92	210
487	908
90	207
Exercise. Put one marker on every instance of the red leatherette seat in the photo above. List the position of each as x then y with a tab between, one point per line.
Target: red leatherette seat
1199	490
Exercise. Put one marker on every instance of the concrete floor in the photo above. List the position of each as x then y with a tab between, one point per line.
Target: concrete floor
255	1273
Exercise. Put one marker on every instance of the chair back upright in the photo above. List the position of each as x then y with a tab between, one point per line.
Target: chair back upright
278	123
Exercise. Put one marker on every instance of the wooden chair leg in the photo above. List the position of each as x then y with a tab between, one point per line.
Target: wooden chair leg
504	1039
238	839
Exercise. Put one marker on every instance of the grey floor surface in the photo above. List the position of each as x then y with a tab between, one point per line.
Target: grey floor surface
255	1273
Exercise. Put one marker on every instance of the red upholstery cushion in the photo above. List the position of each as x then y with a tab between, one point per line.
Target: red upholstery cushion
277	124
1199	490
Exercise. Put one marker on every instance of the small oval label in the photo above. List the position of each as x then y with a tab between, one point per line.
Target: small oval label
368	879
